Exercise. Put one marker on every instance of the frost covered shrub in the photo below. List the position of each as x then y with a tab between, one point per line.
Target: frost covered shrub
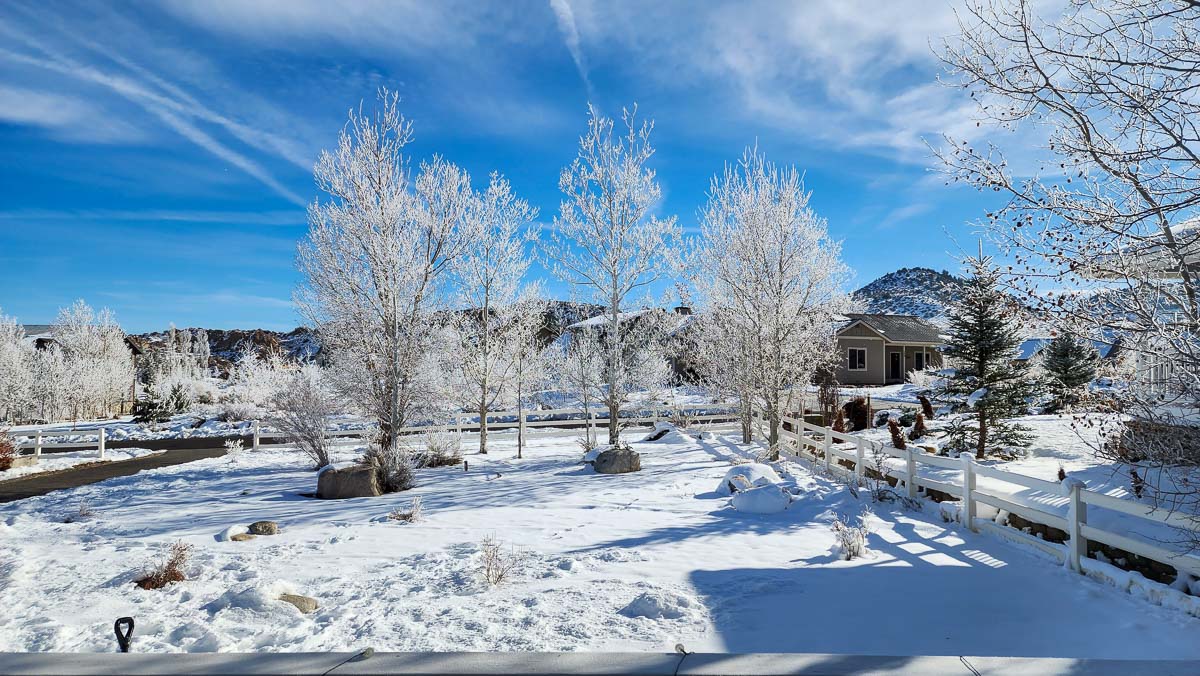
302	409
495	564
410	514
233	449
851	536
897	434
237	411
395	469
169	570
441	450
8	451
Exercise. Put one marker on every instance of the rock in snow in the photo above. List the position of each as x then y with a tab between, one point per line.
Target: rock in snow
744	477
658	605
617	461
358	481
264	528
768	499
305	604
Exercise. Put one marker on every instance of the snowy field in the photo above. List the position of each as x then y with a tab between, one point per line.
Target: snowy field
60	461
607	562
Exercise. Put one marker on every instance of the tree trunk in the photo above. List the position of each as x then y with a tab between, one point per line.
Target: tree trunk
773	439
614	430
483	428
981	447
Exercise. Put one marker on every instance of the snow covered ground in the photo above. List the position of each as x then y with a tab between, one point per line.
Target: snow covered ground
607	562
60	461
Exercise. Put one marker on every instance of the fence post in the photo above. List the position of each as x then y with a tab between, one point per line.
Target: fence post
37	446
1076	519
101	447
827	449
911	469
458	424
860	458
256	436
968	460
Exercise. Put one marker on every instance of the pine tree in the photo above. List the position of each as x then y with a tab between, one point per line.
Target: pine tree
1070	364
982	340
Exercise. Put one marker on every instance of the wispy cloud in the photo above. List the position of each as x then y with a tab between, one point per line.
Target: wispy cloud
269	218
570	32
164	101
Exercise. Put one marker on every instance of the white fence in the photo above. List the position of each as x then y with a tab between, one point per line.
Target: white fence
576	418
822	444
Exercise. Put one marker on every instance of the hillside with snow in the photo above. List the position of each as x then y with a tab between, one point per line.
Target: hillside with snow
921	292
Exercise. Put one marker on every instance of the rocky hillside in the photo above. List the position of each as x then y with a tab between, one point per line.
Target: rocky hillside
921	292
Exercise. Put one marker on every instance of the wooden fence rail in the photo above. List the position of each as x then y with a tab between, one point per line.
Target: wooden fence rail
824	445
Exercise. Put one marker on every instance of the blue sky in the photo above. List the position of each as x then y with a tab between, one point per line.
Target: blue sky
155	158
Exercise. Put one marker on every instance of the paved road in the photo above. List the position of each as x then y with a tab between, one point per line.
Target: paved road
40	484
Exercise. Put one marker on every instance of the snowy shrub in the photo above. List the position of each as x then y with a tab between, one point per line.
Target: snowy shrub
839	422
8	451
681	418
496	565
924	381
303	407
926	406
395	468
587	443
441	450
409	514
169	569
83	512
918	429
233	449
745	476
237	411
897	434
851	536
765	499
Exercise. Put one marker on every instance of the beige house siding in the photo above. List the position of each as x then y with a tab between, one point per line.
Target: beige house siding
878	371
874	373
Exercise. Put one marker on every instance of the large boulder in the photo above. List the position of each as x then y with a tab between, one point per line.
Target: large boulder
356	481
617	461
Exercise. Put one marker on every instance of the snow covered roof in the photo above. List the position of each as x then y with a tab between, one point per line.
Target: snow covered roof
602	319
37	330
898	328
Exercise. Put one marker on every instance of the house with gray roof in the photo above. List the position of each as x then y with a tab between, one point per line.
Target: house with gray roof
881	349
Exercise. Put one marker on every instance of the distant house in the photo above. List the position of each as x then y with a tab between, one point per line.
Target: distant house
880	349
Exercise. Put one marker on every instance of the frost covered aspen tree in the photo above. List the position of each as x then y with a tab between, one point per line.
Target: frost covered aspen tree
16	371
487	280
579	370
530	366
1096	105
608	243
724	364
375	261
775	283
98	365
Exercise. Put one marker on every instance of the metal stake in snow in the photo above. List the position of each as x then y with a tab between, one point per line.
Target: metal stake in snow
123	628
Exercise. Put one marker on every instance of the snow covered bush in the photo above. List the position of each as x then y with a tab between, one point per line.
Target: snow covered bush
858	410
233	449
303	408
851	536
169	570
256	378
8	451
441	450
764	499
745	476
395	467
410	514
495	564
897	434
918	429
237	411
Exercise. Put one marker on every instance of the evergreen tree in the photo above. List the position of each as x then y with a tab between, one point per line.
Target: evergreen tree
983	338
1070	364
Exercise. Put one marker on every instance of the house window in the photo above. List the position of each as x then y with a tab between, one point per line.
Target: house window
857	359
920	361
